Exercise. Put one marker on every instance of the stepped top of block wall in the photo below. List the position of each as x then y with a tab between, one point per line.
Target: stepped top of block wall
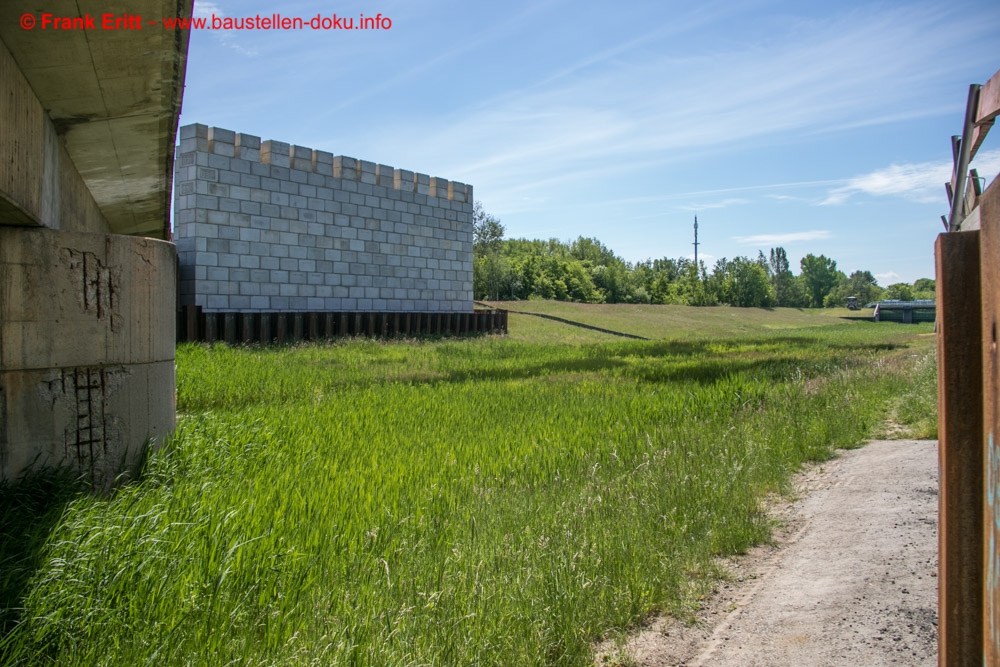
219	141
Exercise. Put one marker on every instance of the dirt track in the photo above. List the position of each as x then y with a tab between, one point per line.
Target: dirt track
851	579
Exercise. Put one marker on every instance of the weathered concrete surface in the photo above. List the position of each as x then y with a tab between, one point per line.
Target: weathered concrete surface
89	121
39	184
86	349
111	96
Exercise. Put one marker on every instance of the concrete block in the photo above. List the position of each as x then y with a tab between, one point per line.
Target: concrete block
207	174
276	154
457	192
438	187
253	237
246	141
194	144
217	245
229	177
206	202
345	168
423	184
229	205
301	158
366	172
221	135
217	302
240	166
206	258
219	161
194	130
323	163
385	175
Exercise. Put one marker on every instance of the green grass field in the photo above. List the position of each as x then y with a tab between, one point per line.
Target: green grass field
662	322
495	501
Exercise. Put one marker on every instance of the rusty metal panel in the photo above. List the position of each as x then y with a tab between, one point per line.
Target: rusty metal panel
989	109
960	437
990	272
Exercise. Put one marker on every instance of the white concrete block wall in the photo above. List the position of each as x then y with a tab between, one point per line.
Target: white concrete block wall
268	226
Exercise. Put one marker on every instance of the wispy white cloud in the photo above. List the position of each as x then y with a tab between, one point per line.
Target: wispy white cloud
780	239
225	37
922	182
887	278
725	203
820	74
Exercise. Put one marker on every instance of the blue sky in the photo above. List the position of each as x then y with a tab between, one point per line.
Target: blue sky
820	127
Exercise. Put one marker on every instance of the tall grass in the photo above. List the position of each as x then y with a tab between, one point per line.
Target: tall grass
474	502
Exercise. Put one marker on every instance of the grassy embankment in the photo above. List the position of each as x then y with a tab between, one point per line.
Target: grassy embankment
492	501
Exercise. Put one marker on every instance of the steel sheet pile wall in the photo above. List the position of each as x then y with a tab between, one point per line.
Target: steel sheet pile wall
269	227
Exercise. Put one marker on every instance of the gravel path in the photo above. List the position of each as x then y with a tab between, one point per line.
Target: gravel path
850	580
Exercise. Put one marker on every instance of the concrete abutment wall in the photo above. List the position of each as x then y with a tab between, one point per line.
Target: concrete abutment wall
87	317
86	350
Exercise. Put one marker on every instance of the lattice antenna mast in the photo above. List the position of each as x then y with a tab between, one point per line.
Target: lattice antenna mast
696	244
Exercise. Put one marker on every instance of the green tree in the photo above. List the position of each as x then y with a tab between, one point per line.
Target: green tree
490	270
864	286
924	288
781	278
899	291
820	276
747	284
487	232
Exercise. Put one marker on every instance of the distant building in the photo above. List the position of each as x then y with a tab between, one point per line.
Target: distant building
908	312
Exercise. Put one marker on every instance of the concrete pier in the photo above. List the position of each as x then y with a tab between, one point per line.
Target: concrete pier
88	280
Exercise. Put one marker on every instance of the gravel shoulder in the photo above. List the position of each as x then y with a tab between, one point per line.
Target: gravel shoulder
851	578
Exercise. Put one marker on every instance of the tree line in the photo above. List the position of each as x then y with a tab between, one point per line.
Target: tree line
587	271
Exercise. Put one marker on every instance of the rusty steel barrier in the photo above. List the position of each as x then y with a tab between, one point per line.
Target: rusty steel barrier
967	258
